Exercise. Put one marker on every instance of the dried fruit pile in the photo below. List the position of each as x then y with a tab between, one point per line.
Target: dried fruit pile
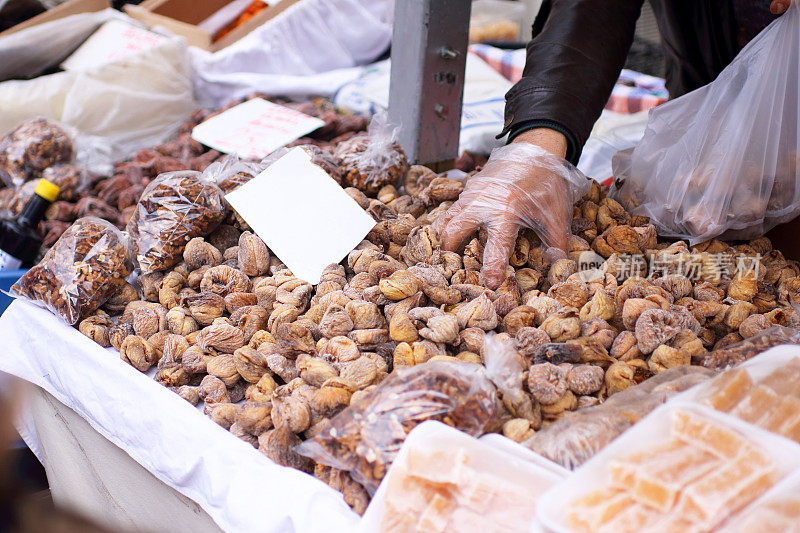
278	361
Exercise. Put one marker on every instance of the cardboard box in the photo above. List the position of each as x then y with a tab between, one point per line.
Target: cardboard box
72	7
183	16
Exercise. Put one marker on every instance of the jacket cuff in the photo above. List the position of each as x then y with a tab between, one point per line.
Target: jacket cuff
527	103
572	145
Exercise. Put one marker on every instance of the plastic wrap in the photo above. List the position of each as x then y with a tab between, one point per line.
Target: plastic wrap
445	480
70	178
722	160
778	510
364	438
30	148
575	438
173	209
684	468
368	162
764	391
505	367
743	350
80	272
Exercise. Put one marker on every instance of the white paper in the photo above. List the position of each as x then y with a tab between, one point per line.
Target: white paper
302	214
254	129
240	488
114	41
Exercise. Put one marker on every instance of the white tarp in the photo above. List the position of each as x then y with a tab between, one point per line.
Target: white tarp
314	47
117	108
236	485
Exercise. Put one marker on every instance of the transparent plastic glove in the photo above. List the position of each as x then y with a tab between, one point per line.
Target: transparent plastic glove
522	185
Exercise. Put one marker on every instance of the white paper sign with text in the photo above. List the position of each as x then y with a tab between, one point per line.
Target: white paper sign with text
114	41
302	214
254	129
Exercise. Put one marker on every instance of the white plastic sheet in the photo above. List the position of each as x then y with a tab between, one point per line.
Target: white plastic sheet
117	108
311	48
236	485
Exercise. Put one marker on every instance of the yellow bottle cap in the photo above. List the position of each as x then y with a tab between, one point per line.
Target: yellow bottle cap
47	190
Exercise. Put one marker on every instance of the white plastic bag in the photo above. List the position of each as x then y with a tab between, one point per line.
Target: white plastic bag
723	160
117	108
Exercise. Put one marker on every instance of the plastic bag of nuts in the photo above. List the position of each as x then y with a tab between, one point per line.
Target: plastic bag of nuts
370	161
173	209
80	272
30	148
364	438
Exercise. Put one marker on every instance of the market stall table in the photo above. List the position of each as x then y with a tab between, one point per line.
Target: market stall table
124	434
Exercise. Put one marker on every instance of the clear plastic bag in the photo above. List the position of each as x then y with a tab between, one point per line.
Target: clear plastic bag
173	209
505	367
575	438
32	147
723	160
364	438
748	348
373	160
437	474
82	270
71	179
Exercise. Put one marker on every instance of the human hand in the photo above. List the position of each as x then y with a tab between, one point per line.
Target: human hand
779	7
522	185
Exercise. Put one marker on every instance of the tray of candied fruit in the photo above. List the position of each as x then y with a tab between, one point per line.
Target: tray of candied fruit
683	468
764	391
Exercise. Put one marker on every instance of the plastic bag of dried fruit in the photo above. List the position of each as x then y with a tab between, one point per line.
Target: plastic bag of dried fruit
370	161
574	439
82	270
723	160
750	347
364	438
173	209
30	148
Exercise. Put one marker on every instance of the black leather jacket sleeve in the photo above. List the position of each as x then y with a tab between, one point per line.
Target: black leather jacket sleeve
573	61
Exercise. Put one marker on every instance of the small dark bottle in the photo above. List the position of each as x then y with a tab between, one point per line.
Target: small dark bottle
19	239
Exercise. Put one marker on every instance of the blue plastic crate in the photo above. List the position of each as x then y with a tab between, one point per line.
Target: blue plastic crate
7	279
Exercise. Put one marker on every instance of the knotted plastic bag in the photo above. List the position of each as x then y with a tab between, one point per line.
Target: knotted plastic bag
370	161
723	160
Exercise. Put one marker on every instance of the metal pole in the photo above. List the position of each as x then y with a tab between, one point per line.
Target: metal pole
429	55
